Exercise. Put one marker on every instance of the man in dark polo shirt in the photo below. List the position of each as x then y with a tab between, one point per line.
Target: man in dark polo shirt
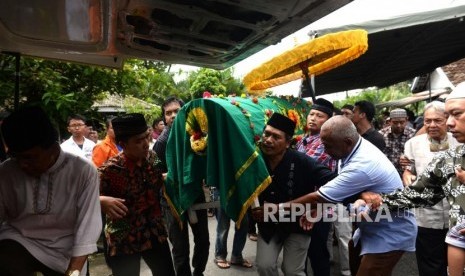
290	171
364	112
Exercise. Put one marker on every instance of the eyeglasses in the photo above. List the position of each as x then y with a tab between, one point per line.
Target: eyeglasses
77	125
436	121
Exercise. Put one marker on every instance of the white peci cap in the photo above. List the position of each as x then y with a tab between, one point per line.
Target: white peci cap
458	92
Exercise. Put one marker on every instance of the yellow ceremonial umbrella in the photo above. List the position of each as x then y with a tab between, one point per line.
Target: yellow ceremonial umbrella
314	57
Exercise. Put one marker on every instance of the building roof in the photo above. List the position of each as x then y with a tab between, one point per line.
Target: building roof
417	97
115	103
455	71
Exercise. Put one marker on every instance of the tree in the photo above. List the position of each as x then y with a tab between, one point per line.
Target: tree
207	80
60	88
151	81
215	82
386	94
390	93
63	88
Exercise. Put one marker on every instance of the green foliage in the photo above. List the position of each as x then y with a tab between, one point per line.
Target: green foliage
63	88
390	93
60	88
215	82
150	114
149	81
207	80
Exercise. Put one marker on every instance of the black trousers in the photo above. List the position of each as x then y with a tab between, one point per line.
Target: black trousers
179	238
158	259
252	223
15	260
318	250
431	252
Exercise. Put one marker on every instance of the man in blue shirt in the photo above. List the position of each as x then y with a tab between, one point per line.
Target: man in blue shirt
363	167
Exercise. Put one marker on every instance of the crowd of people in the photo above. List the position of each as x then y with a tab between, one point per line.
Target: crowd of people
57	200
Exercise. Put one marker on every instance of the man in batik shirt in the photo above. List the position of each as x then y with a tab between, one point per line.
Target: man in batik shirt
135	230
395	137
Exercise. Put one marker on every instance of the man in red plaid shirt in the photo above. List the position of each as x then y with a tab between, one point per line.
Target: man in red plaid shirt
311	144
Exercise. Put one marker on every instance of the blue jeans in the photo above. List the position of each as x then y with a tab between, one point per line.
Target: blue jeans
222	231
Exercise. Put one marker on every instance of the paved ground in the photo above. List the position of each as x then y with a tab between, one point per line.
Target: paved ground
406	266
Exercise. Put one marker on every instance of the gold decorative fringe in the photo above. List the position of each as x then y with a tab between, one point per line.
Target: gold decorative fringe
173	209
247	164
241	170
265	183
322	54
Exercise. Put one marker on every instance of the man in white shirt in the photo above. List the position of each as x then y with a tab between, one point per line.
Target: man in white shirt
49	201
77	144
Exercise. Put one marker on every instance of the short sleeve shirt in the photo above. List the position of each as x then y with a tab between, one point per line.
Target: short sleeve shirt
368	169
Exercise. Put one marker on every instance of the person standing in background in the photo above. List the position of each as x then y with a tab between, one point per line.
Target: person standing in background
179	236
107	148
348	111
395	137
78	144
364	112
158	126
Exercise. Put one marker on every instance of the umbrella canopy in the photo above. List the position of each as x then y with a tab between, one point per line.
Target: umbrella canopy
316	56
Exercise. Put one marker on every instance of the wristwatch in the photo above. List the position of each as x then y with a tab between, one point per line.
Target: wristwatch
73	273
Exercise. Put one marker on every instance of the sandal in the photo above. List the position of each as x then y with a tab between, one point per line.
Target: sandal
222	263
253	237
244	263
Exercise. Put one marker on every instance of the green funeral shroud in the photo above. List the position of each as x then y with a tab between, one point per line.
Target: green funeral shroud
232	161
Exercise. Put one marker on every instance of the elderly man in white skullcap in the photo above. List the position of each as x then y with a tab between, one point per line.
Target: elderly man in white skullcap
443	177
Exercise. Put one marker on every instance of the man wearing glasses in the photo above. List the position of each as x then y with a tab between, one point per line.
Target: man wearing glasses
77	144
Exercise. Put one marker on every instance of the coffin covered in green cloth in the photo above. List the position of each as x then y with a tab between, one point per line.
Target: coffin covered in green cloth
216	140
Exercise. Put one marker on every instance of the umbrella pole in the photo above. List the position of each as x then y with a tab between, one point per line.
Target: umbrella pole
17	80
307	83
